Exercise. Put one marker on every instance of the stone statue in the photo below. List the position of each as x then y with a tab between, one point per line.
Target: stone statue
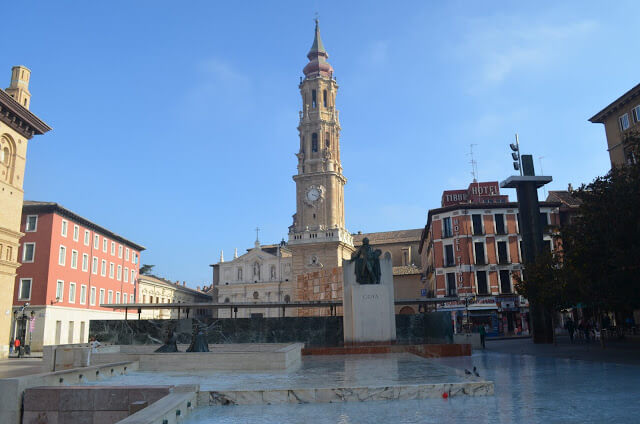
198	339
170	343
367	263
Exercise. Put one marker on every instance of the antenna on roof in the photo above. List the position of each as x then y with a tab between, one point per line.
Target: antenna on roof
544	189
474	164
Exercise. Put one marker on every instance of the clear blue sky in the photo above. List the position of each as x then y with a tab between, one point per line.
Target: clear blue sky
174	123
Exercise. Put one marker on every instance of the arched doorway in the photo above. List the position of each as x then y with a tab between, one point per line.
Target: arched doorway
407	310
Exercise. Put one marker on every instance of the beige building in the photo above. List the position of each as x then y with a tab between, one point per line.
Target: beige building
152	289
621	121
318	237
263	274
17	126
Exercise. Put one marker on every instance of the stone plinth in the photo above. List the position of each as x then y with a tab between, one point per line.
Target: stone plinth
369	314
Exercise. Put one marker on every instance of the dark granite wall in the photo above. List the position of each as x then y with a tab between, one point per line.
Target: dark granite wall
313	331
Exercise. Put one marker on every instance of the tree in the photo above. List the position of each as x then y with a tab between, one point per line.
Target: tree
146	269
602	244
546	285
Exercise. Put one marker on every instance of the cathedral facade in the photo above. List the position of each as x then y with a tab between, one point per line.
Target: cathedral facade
318	237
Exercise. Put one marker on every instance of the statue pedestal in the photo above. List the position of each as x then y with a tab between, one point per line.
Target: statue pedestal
368	309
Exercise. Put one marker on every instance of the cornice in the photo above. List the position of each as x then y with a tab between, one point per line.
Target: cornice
19	118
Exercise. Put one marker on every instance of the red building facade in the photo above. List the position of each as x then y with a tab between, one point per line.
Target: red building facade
472	250
69	266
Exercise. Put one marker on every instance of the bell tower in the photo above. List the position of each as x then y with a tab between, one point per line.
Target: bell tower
318	237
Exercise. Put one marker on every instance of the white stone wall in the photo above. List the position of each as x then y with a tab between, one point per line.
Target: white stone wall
246	292
46	318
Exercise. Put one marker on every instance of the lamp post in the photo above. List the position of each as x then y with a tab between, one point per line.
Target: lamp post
526	186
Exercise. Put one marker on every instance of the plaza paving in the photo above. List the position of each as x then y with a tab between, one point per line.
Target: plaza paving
531	386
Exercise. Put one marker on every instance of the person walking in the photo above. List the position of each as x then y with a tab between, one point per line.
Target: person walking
571	327
483	335
17	347
11	346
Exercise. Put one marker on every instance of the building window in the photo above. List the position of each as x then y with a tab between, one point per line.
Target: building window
83	294
623	121
105	243
133	276
93	296
31	223
446	228
110	297
272	272
25	289
314	101
111	269
499	220
120	251
133	298
314	142
327	142
119	274
101	296
96	241
126	274
481	278
406	256
28	252
448	256
451	284
76	233
503	256
62	255
636	114
134	257
477	224
125	298
85	262
59	290
74	259
103	268
126	254
117	297
239	274
64	228
325	99
479	250
72	292
87	237
113	248
544	220
505	281
94	265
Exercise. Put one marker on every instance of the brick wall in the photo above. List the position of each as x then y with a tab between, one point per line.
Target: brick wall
325	284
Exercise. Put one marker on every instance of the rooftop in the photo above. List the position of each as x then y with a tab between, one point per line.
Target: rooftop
601	116
31	207
399	236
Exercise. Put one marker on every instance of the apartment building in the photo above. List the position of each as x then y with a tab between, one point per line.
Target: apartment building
621	121
472	250
70	266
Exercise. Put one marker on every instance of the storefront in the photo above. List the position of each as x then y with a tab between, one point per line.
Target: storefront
502	316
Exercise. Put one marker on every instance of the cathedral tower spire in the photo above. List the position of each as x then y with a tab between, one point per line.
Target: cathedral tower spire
318	236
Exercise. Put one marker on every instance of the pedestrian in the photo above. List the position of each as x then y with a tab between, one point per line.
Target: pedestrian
18	348
570	326
95	344
11	346
483	335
